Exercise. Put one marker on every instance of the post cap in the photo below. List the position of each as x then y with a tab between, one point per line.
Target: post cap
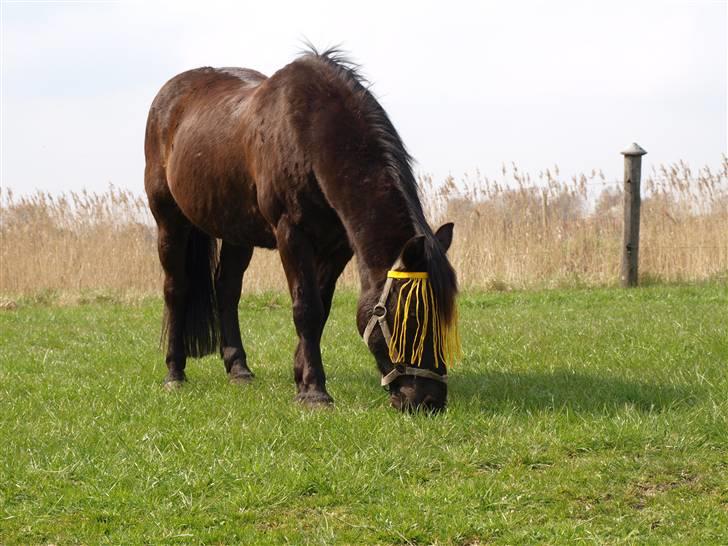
634	149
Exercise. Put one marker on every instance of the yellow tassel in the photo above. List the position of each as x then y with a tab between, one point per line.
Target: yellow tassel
445	337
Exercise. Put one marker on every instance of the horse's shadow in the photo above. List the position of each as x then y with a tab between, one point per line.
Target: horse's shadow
532	391
577	391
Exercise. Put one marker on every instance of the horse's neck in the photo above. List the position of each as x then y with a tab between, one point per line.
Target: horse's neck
378	225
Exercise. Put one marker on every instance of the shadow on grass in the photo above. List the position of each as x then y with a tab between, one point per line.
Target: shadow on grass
534	391
496	391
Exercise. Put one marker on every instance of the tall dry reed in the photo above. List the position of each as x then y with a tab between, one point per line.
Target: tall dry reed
522	231
513	230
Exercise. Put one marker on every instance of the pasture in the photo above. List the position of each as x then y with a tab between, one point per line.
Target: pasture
594	415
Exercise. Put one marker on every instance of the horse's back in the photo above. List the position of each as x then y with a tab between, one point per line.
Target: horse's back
204	88
192	148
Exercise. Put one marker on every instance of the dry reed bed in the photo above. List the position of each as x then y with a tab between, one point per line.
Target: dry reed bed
514	231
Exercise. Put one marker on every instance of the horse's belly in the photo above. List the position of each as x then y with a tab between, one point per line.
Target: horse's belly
223	206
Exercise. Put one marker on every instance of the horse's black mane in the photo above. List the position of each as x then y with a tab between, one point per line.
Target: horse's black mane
399	163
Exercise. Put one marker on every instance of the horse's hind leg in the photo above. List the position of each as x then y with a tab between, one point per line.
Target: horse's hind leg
234	261
173	234
188	257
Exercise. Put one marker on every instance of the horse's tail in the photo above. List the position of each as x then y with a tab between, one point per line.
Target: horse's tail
201	333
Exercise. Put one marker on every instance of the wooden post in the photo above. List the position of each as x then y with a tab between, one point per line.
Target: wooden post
632	200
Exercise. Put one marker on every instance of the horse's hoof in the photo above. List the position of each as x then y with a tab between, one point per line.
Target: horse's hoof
240	375
315	399
173	384
240	378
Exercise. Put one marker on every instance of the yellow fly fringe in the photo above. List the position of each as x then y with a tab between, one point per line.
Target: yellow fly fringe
417	291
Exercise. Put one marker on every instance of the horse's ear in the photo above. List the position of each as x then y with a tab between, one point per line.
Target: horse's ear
413	253
444	235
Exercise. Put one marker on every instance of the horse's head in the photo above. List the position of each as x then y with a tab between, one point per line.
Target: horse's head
411	323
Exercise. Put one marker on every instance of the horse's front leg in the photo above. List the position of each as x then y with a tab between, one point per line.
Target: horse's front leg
297	256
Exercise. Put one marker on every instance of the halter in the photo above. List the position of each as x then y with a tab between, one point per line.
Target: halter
379	316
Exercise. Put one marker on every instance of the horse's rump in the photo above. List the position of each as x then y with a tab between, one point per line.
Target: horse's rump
194	135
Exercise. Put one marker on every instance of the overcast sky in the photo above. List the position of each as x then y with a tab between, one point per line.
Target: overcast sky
468	84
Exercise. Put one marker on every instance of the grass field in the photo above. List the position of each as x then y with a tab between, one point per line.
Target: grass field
577	415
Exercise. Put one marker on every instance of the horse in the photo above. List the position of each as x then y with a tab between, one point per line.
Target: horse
305	161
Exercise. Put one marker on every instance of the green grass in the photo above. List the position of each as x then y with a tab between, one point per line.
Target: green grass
577	415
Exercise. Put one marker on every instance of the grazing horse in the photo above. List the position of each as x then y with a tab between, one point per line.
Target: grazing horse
308	162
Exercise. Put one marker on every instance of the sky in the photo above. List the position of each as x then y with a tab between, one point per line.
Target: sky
469	85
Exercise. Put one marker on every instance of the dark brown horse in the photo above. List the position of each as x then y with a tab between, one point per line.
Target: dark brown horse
307	162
